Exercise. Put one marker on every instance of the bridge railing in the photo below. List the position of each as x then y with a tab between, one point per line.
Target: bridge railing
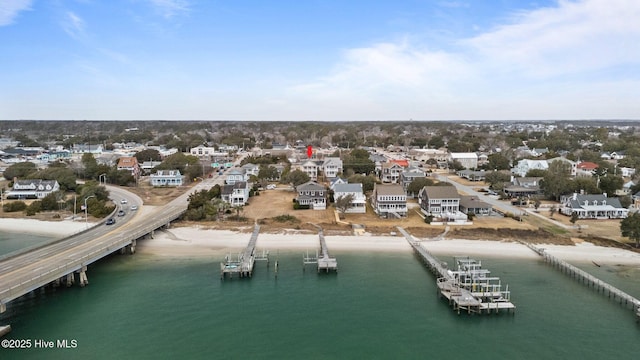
23	284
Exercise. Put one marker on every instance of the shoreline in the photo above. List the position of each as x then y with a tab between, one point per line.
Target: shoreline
194	241
40	227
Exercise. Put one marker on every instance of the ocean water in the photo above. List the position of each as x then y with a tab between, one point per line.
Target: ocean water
379	306
12	241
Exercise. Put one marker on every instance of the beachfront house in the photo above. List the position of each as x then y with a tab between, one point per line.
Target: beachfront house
313	195
358	204
593	206
236	194
168	178
441	202
32	189
473	205
389	200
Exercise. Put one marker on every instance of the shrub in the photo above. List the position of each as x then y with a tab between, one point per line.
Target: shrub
14	206
286	218
428	219
34	208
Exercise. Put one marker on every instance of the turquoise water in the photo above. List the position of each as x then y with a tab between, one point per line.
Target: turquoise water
380	306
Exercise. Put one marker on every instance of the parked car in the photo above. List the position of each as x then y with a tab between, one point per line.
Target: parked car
110	221
271	186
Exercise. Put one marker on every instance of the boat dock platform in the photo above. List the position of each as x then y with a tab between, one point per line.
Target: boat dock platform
243	264
325	262
469	288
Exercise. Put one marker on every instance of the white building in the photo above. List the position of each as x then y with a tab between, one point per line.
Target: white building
166	178
467	160
359	202
331	167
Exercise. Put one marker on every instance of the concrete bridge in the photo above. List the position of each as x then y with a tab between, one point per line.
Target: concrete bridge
57	262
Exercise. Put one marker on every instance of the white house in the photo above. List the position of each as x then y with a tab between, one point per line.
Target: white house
597	206
391	172
359	202
202	151
310	168
467	160
251	169
236	194
389	200
331	167
235	175
525	165
32	189
166	178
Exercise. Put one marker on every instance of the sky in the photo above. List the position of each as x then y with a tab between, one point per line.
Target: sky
319	60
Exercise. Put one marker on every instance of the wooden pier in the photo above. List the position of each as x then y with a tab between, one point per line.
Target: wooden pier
324	262
589	280
243	264
469	288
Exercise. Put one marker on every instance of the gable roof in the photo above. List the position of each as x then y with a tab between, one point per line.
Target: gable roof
388	189
350	188
441	192
309	185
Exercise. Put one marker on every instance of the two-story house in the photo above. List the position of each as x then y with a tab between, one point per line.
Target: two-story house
129	163
331	167
236	174
467	160
389	200
410	174
236	194
441	202
251	169
166	178
312	194
310	168
391	172
358	204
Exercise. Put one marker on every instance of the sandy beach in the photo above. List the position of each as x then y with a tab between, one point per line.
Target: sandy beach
38	227
192	241
195	241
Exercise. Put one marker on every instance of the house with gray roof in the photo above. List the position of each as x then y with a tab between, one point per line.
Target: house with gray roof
473	205
32	189
168	178
593	206
410	174
389	200
312	194
359	202
441	202
236	194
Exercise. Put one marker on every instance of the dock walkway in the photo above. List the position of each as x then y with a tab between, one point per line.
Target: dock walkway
468	288
588	279
325	261
243	265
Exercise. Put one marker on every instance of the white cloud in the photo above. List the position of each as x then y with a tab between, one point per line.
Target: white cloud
9	10
171	8
544	55
572	37
74	26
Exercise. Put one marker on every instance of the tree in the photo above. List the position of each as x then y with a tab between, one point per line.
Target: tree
297	177
630	227
584	184
536	173
498	161
148	155
497	179
19	170
90	166
358	161
343	203
268	173
610	183
574	218
367	182
417	184
556	181
536	204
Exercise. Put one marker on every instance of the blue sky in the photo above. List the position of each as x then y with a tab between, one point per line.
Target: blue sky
327	60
